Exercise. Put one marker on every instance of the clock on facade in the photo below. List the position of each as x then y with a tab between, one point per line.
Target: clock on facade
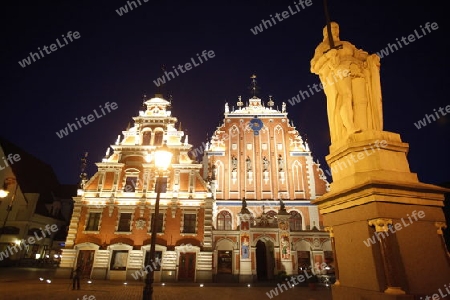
256	125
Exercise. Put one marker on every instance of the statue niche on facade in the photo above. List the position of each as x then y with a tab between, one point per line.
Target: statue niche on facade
351	80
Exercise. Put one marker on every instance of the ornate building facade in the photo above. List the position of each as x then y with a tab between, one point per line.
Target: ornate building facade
242	214
263	178
109	234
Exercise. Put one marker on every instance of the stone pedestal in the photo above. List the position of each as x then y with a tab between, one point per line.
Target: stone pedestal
386	224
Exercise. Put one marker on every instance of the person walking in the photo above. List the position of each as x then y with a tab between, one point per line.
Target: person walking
76	278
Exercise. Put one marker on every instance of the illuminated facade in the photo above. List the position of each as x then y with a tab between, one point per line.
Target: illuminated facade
243	214
263	178
109	234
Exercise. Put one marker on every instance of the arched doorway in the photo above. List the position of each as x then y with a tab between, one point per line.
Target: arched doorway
261	261
85	258
264	260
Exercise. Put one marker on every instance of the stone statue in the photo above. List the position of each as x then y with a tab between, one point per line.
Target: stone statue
265	163
351	80
282	206
244	209
280	163
234	162
248	161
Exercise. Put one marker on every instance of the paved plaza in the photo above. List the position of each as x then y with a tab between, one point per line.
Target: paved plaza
17	284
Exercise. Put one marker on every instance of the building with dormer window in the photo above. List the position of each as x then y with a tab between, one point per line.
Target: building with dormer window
109	234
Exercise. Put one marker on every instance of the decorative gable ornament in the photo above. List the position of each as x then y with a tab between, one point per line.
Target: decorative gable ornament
140	224
256	125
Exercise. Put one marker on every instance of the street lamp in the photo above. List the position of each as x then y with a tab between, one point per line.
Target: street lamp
3	193
162	160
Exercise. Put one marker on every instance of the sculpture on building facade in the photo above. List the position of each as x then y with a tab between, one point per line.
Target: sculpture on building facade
351	80
265	163
248	162
234	163
280	163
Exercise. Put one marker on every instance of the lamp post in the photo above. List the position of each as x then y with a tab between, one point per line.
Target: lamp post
162	159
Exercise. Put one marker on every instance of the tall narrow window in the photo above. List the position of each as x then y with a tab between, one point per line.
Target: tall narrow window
159	224
158	138
92	222
224	220
146	137
295	221
124	222
189	223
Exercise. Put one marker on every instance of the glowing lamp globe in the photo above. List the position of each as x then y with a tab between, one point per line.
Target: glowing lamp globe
3	193
163	157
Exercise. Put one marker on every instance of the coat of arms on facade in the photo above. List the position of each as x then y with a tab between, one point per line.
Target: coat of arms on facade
283	225
140	224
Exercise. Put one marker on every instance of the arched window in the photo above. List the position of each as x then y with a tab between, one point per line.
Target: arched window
224	220
295	221
158	138
131	180
146	137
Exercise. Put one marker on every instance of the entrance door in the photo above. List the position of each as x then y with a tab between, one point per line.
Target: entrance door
261	260
186	267
224	262
304	261
86	261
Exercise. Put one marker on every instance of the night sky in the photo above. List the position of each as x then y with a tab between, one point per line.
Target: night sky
117	58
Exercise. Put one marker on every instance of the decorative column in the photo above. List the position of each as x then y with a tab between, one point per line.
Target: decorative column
381	228
285	240
333	247
440	226
245	259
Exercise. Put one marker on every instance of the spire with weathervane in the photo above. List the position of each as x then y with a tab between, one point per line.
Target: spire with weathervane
259	143
254	88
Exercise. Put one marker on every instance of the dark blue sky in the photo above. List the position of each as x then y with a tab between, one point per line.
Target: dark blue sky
117	58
